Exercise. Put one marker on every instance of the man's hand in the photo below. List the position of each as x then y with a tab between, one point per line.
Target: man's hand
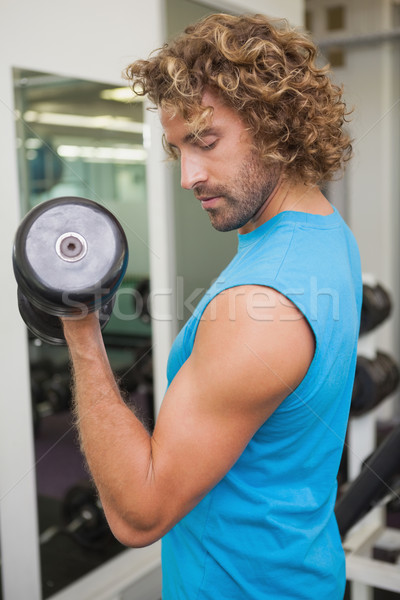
80	331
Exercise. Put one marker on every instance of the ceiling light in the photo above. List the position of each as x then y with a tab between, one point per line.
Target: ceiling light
102	154
122	94
99	122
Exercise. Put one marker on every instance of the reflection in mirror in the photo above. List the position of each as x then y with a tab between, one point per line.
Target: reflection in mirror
82	138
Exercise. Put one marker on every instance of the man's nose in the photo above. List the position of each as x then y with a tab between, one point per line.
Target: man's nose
193	172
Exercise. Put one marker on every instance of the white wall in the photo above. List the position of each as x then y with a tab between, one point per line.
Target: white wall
86	39
292	10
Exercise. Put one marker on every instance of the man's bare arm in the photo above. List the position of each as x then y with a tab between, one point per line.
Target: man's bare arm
245	361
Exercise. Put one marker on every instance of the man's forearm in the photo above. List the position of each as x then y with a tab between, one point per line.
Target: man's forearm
116	445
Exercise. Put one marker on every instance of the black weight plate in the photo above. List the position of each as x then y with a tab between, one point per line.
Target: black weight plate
48	328
376	307
374	380
68	252
94	533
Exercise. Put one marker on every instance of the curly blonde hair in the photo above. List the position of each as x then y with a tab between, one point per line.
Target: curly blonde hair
267	72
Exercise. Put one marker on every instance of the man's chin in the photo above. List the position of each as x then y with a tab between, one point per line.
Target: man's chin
221	225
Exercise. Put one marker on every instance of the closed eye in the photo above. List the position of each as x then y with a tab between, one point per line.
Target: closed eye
204	146
206	140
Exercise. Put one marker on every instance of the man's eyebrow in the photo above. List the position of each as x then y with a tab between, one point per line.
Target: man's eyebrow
191	138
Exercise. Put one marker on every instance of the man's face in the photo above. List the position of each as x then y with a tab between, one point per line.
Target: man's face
222	167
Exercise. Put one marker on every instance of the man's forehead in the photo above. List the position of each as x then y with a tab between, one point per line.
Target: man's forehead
212	116
186	129
194	112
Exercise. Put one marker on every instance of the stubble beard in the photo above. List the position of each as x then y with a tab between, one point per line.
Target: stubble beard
246	195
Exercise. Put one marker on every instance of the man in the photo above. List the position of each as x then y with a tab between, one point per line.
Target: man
239	475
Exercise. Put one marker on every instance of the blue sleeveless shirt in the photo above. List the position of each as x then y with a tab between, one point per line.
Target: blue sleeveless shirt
267	530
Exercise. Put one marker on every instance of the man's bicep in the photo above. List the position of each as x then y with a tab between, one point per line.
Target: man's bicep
238	373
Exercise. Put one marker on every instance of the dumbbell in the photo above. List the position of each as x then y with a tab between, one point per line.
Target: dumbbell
376	307
52	395
50	391
69	257
374	380
372	483
82	518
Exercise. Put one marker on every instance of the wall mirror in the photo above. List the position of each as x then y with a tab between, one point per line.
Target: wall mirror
88	139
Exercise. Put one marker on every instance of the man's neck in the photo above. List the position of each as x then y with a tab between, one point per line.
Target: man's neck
289	196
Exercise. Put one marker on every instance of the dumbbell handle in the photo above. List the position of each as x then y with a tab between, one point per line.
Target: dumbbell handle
371	484
49	533
84	516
